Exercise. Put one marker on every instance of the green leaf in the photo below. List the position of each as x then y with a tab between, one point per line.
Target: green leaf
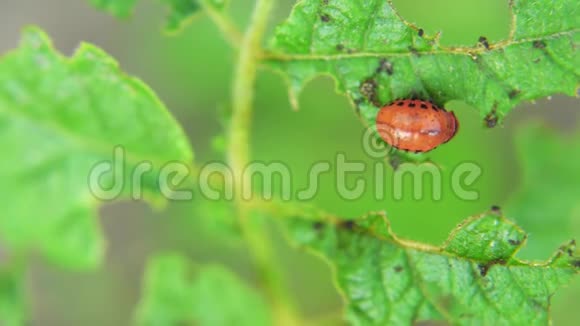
12	303
59	118
213	296
473	279
547	203
375	56
179	12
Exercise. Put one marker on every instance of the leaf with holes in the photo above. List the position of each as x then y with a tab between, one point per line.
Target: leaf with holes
213	296
60	120
178	11
376	56
473	279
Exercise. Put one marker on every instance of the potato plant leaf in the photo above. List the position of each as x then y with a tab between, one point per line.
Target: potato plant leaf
376	56
210	296
59	118
178	11
547	202
472	279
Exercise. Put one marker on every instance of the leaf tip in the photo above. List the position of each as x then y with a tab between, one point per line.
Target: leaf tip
35	38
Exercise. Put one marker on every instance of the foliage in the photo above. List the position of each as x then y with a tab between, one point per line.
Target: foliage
60	117
179	11
213	296
473	278
376	56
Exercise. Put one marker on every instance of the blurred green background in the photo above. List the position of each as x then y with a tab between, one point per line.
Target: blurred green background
191	73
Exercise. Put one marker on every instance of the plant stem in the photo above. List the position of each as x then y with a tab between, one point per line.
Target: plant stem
224	23
238	156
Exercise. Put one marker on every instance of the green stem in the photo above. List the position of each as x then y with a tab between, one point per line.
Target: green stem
224	23
238	156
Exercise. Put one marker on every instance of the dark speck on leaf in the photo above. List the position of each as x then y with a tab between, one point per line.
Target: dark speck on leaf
414	51
325	2
347	224
484	42
398	268
491	119
395	162
385	66
325	18
421	32
536	60
496	209
484	268
514	242
339	47
514	93
318	225
368	89
539	44
576	263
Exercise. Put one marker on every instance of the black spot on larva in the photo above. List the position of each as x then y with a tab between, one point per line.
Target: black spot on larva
483	41
514	93
421	32
398	268
339	47
385	66
325	18
539	44
317	226
423	106
401	103
412	104
347	224
514	242
496	209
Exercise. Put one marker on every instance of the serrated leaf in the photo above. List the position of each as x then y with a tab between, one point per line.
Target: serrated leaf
12	306
178	11
473	279
547	203
214	296
59	117
376	56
